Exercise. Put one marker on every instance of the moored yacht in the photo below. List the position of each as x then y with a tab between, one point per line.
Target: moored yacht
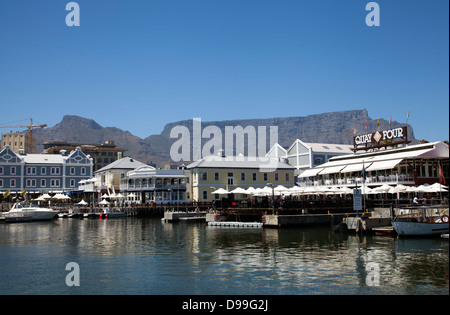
422	221
32	211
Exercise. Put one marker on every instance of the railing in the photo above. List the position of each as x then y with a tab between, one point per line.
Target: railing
351	181
152	186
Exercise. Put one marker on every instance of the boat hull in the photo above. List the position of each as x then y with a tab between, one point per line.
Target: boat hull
35	215
419	228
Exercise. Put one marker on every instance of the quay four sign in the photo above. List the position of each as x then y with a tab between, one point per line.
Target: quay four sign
381	138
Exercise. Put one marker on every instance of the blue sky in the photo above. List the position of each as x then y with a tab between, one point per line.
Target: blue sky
140	64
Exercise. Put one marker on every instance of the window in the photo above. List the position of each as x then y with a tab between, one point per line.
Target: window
1	170
205	195
276	177
230	179
12	183
255	177
216	176
1	182
31	170
13	171
204	176
266	177
242	177
83	171
288	177
72	183
55	171
54	183
31	183
43	183
72	171
43	171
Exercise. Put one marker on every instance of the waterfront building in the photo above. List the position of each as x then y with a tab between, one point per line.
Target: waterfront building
103	154
218	171
43	173
306	155
410	165
109	176
148	185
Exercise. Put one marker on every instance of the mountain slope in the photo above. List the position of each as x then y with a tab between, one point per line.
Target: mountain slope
335	127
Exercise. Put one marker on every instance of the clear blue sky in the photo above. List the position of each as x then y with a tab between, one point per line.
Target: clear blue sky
140	64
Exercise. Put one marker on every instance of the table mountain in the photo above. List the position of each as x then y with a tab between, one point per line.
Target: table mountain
333	127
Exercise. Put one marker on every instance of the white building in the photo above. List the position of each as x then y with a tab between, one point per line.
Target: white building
411	165
306	155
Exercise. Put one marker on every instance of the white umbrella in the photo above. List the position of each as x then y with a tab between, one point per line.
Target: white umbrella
345	190
382	189
398	189
82	202
104	202
250	191
296	190
439	186
40	198
422	188
46	196
238	190
60	197
221	191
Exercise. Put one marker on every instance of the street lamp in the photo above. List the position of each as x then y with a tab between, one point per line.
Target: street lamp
273	197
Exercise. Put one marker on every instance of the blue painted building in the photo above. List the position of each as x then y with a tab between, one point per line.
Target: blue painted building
43	173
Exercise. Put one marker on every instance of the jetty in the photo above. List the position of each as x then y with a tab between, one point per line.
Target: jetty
236	224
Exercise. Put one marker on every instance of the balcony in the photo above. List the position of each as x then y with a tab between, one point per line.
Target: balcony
352	181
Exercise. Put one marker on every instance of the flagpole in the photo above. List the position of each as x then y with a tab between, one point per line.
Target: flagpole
363	189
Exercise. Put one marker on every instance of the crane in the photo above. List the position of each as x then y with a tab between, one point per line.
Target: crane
30	126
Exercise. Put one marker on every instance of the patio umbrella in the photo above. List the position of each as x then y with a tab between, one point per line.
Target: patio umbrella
221	191
104	202
250	191
238	190
82	202
382	189
398	189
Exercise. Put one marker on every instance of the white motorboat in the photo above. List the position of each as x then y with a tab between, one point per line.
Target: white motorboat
32	211
422	221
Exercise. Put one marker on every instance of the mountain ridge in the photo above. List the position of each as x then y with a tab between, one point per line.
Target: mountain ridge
332	127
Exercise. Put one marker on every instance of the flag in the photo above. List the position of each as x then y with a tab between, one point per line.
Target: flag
24	192
407	117
363	172
441	176
6	193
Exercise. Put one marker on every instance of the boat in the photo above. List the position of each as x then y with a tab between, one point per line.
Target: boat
111	213
422	221
31	211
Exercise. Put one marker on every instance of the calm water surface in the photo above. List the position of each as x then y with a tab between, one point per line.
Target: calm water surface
146	256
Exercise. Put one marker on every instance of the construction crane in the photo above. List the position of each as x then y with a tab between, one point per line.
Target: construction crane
30	126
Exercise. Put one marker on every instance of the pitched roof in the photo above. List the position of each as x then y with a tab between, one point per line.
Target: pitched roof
124	163
233	162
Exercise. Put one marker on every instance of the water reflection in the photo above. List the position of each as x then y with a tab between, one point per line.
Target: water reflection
146	256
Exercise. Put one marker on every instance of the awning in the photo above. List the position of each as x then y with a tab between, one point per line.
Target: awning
384	165
331	169
311	172
355	167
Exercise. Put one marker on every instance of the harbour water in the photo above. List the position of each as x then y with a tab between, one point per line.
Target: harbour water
146	256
